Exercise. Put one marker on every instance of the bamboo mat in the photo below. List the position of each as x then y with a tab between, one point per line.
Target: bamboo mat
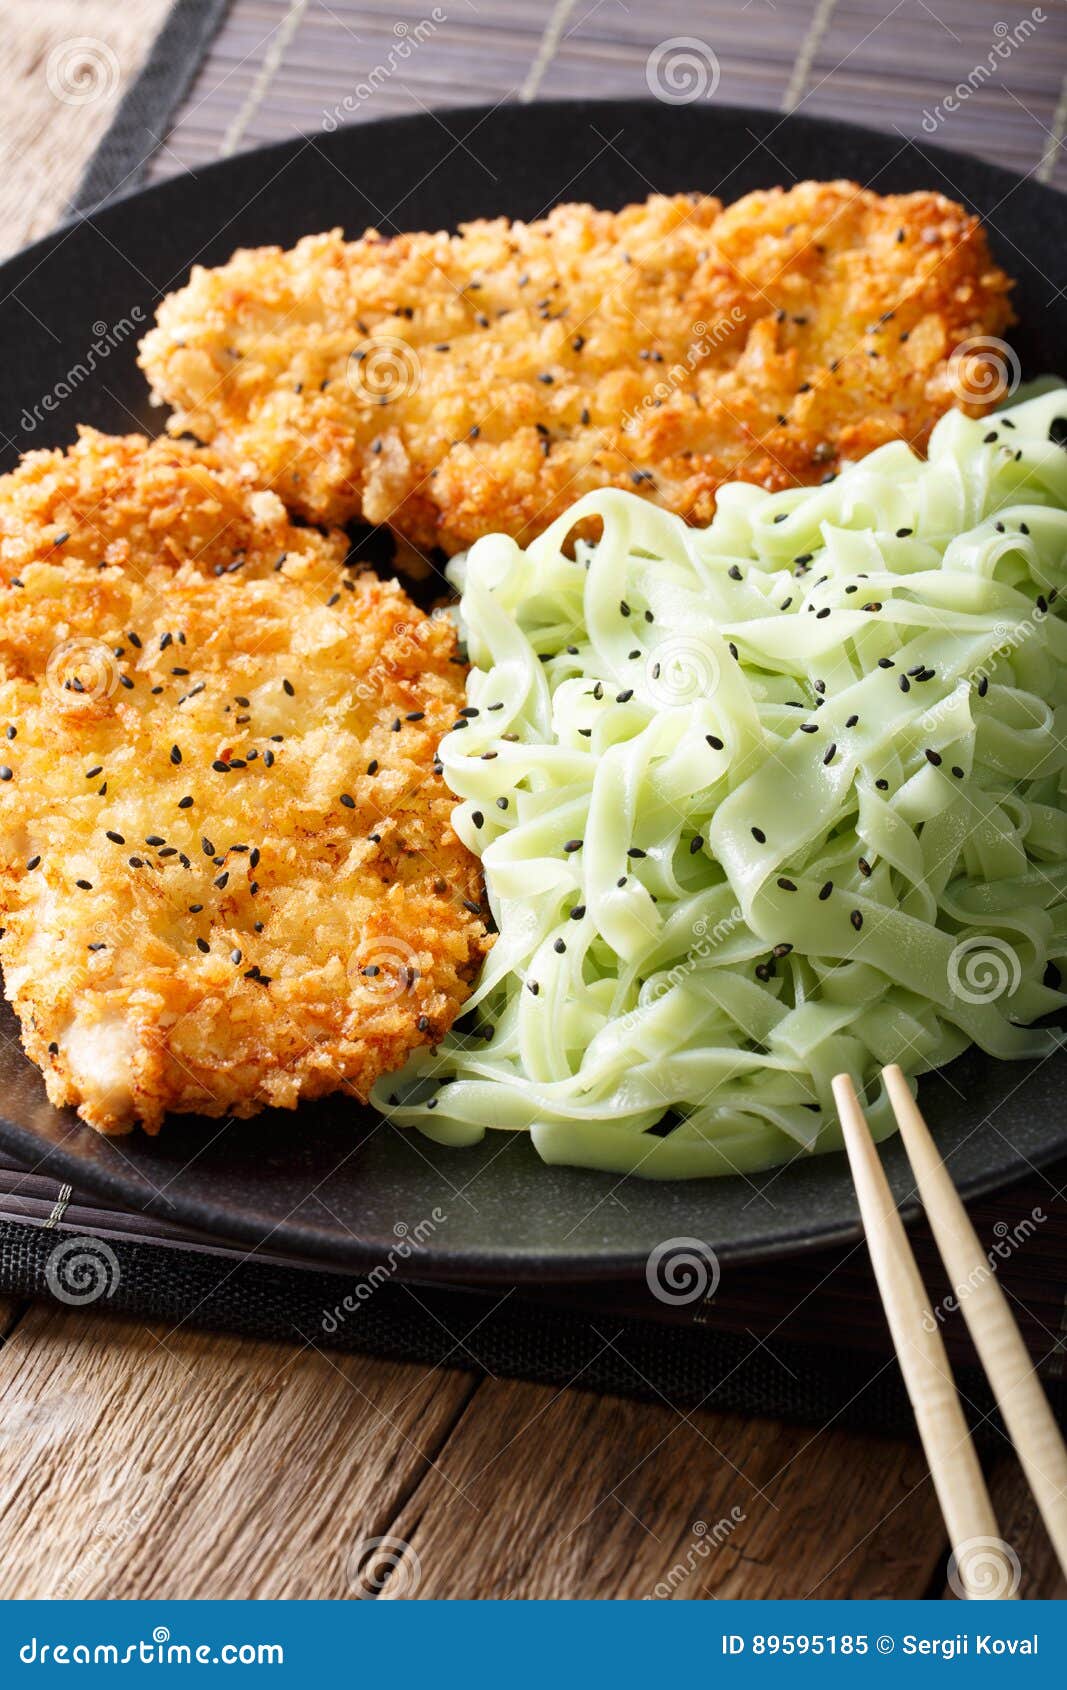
975	75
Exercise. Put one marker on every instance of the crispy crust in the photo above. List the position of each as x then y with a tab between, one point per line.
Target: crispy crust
455	386
121	1009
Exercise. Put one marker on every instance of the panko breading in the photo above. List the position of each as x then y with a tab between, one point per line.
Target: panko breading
228	877
458	385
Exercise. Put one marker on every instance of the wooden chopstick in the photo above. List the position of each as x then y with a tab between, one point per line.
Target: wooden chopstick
1037	1439
961	1489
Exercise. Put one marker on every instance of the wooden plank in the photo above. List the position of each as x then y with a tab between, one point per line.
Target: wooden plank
140	1462
581	1496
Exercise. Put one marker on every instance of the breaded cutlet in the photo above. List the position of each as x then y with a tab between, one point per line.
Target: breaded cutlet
458	385
228	877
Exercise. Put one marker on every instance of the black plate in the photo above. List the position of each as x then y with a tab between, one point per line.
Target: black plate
330	1182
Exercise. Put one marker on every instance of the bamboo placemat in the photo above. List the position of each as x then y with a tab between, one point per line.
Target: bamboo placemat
971	74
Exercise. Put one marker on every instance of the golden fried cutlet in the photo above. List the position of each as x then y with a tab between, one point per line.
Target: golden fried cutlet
227	872
453	386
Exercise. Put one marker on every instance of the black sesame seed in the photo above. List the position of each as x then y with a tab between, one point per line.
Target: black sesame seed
856	919
759	836
851	722
577	912
957	771
573	845
220	767
203	946
786	885
636	851
824	891
830	753
882	785
933	757
136	862
983	686
904	684
809	727
714	741
885	663
864	867
348	801
222	880
34	862
86	885
696	844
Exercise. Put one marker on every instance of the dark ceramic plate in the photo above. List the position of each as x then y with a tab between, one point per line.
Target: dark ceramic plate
331	1182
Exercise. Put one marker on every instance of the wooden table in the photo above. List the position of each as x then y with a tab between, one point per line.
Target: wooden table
137	1461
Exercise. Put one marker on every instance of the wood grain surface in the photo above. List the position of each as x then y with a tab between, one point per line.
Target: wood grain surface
140	1462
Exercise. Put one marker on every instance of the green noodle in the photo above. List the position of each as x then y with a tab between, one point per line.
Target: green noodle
761	802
